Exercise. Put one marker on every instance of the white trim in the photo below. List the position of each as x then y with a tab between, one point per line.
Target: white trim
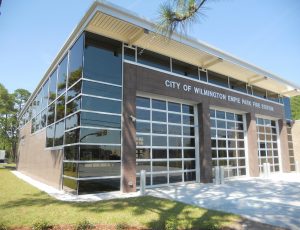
101	82
92	127
96	144
98	112
91	161
100	97
90	178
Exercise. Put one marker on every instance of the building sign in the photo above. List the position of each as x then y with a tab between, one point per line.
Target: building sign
213	94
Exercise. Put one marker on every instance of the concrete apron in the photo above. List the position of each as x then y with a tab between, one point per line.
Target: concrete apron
274	201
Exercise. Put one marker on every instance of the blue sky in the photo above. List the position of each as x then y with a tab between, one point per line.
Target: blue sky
265	33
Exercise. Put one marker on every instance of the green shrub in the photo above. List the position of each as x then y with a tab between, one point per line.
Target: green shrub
122	226
42	225
84	225
171	223
3	226
211	225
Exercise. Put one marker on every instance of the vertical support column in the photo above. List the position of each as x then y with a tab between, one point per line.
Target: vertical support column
205	143
284	148
253	162
128	180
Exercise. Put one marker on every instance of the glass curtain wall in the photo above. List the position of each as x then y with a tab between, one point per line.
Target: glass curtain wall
92	149
290	146
165	140
228	142
267	143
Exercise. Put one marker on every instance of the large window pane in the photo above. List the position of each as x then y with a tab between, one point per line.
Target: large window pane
273	96
74	91
185	69
62	76
73	121
70	169
52	86
44	118
238	85
99	104
60	108
100	136
50	136
100	185
102	59
73	106
45	94
259	92
103	90
71	152
102	152
70	185
129	54
51	113
100	120
217	79
75	61
59	133
153	59
99	169
72	136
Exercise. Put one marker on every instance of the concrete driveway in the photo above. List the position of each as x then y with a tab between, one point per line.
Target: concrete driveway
274	201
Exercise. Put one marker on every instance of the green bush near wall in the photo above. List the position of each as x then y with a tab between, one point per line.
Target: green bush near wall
295	106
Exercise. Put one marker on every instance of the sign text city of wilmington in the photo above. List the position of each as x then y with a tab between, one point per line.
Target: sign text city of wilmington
214	94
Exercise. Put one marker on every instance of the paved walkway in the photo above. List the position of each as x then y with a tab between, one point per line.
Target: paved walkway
274	201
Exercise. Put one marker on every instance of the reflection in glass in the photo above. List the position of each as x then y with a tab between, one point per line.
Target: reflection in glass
60	108
62	76
185	69
100	104
99	169
98	186
100	152
52	86
102	90
75	61
74	91
102	59
51	113
71	152
100	136
50	136
142	153
59	133
153	59
73	121
100	120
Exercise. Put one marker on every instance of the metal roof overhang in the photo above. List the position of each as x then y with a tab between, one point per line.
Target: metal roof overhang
118	23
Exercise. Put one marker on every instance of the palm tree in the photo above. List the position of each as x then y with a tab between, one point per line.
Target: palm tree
177	15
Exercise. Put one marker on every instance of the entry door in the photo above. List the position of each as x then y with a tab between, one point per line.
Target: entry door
165	141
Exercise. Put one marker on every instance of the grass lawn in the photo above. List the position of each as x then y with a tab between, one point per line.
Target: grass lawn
22	205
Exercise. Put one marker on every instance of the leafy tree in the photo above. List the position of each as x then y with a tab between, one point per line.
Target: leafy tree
177	15
10	106
295	106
